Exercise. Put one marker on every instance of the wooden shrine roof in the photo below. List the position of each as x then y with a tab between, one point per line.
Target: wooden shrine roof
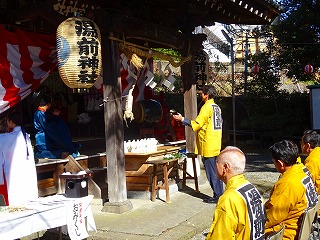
161	23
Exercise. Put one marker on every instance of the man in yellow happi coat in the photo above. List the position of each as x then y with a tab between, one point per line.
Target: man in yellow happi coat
239	213
292	193
208	125
309	146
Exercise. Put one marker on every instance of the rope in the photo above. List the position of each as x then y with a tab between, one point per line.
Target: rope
130	50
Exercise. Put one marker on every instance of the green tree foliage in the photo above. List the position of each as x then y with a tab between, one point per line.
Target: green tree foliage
178	86
274	113
266	82
298	37
168	51
282	116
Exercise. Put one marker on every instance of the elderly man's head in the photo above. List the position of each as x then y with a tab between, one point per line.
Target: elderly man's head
230	162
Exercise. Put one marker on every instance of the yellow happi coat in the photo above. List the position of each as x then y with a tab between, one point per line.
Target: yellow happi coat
208	124
290	196
239	213
312	163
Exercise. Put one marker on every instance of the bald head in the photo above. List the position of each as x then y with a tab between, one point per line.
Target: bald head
234	157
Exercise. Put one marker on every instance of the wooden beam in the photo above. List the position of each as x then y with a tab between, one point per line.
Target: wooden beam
42	10
141	31
4	16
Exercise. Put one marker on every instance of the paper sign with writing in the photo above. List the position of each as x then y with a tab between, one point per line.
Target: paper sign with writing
76	221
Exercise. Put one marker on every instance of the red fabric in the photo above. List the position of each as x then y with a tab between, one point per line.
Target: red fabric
26	60
4	191
140	91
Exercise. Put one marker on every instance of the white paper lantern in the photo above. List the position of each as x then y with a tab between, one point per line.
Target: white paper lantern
79	52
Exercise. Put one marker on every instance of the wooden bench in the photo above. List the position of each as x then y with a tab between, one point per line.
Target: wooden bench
49	170
167	167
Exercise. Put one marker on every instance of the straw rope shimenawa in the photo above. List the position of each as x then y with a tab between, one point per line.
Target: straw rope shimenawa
79	52
129	50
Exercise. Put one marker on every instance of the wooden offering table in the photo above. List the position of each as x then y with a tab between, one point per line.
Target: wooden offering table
143	173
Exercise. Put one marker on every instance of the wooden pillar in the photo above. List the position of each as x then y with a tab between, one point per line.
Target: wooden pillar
189	86
116	172
190	103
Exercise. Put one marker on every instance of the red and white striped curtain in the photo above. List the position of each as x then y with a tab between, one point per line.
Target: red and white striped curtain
26	60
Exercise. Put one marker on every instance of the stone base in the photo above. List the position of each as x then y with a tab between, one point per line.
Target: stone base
119	208
161	193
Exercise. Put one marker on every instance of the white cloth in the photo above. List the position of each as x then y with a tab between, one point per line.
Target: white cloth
45	213
19	168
